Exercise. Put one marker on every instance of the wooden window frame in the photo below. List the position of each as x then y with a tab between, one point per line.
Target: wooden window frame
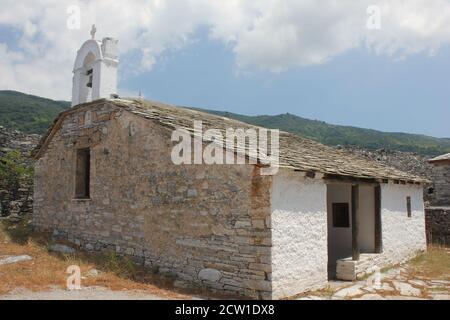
408	206
336	209
83	173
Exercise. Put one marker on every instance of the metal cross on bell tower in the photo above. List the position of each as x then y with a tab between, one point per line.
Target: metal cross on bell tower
93	31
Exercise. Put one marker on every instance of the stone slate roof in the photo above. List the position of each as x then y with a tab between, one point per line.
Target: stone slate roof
296	153
444	157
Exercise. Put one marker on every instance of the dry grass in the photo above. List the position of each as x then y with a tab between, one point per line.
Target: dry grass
433	264
47	270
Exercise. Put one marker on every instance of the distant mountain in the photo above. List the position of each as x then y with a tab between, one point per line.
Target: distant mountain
345	135
27	113
32	114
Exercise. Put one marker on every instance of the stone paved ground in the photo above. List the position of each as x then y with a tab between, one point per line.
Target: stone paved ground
395	284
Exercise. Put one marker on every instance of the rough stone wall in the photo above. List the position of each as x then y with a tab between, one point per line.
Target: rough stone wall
402	236
15	140
16	199
441	184
207	225
438	225
299	234
405	161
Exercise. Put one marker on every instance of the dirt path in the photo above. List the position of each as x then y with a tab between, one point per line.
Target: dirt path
88	293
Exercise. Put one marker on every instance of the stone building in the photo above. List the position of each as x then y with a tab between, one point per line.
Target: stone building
438	213
441	180
105	180
16	196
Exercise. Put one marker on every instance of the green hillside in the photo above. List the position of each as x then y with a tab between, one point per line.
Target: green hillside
345	135
31	114
27	113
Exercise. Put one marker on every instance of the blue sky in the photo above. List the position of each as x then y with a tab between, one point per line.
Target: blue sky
357	88
251	57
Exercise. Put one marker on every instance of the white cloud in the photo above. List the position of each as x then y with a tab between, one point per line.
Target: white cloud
272	35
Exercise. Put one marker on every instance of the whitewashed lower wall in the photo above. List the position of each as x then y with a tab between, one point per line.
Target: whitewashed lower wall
402	237
299	234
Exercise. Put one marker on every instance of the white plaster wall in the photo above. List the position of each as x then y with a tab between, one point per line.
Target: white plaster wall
107	79
299	234
366	219
402	236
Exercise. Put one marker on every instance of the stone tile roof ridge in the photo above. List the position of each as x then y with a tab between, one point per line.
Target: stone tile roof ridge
441	157
296	152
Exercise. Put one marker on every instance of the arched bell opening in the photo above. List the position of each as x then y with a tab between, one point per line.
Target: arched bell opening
87	78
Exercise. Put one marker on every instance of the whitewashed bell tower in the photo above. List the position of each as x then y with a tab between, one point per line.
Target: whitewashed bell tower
95	70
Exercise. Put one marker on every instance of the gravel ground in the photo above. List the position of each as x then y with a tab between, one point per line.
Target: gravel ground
88	293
